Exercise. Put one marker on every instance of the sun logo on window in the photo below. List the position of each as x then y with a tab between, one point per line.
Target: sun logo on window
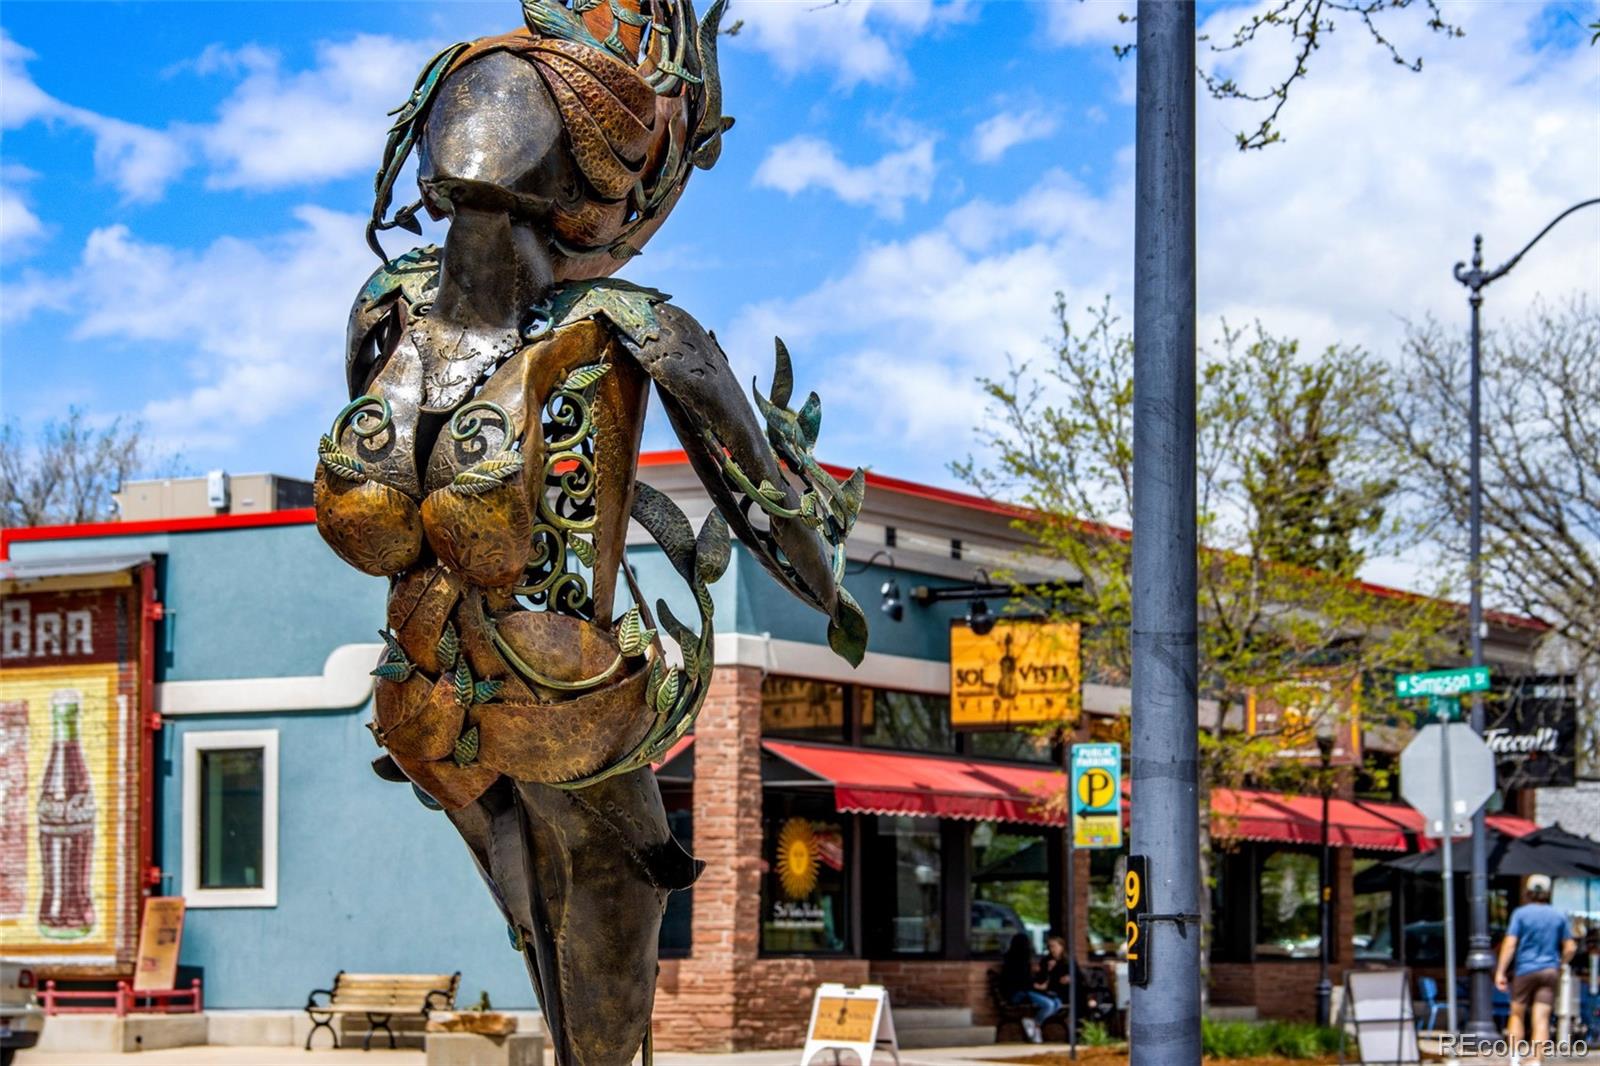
797	859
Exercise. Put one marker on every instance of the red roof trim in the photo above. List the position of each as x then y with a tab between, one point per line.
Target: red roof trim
207	523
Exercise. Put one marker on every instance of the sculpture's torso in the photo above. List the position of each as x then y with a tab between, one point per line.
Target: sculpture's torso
498	477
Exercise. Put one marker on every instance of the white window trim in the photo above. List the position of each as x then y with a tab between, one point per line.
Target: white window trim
195	742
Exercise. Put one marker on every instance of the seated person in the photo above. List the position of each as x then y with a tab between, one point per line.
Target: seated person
1055	969
1020	983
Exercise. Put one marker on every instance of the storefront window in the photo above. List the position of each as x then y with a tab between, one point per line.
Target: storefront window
804	905
913	721
1010	887
802	709
1373	937
1029	747
1288	923
903	887
1107	909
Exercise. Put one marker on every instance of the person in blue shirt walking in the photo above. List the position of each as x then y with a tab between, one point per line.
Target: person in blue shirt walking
1540	943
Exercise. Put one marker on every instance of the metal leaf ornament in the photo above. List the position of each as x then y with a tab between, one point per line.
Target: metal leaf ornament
449	647
466	749
395	665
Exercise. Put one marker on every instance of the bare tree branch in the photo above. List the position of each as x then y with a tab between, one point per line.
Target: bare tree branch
68	473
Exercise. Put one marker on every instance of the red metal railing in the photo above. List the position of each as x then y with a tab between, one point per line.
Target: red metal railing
121	1000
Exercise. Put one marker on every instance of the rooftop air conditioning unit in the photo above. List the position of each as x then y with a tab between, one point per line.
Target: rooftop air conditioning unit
217	490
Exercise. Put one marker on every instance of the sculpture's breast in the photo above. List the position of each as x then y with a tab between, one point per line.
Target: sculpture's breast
571	407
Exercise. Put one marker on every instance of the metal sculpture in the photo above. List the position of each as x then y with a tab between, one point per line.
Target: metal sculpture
486	465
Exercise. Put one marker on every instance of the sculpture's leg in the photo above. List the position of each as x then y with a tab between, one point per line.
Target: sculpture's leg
584	875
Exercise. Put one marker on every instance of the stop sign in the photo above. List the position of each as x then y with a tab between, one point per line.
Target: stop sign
1423	766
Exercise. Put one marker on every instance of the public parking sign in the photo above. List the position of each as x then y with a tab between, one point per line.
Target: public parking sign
1097	795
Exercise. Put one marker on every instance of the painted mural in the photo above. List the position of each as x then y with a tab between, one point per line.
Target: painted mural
69	779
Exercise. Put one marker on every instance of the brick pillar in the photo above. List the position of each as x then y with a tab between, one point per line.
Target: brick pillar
696	997
1080	905
1343	876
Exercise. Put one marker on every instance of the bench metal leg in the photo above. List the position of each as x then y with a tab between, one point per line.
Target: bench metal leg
374	1023
325	1022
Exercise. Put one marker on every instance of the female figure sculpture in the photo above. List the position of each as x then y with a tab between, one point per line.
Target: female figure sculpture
486	463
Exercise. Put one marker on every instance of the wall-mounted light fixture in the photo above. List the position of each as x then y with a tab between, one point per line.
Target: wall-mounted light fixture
891	604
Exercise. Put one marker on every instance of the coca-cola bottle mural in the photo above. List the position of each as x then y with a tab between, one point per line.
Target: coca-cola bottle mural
66	814
13	807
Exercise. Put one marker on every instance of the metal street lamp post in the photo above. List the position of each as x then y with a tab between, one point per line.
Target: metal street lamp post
1324	890
1164	1016
1480	959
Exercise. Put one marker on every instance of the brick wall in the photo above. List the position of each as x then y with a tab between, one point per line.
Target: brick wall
939	984
698	998
1277	989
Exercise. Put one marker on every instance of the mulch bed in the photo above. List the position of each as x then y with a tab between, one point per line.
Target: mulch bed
1116	1056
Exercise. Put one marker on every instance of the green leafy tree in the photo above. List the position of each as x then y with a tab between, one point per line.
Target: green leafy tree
1293	491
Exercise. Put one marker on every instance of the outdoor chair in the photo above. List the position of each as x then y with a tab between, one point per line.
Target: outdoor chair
1432	1003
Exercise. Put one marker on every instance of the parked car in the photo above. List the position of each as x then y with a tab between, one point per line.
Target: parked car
21	1019
993	926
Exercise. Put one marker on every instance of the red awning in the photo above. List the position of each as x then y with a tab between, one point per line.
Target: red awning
882	782
1245	814
679	746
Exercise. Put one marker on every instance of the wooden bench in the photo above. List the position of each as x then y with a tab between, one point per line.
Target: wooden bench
1095	1003
381	997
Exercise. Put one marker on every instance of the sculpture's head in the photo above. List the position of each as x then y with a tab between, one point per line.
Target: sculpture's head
583	126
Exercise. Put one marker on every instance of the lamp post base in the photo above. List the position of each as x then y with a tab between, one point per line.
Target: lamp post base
1324	1002
1480	994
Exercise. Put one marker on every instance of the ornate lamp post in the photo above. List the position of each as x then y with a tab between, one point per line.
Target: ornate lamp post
1480	960
1324	889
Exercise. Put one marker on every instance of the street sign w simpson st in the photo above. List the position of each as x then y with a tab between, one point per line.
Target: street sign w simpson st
1442	682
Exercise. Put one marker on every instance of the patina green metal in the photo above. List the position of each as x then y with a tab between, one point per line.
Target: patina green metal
357	417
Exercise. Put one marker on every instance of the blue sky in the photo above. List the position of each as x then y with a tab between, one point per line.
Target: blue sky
182	187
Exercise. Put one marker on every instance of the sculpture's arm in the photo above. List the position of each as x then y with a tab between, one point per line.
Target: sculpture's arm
798	533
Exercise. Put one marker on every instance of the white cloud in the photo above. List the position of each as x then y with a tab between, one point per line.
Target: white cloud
1003	131
138	160
279	129
275	129
910	325
256	326
1336	234
1089	22
20	228
805	162
861	40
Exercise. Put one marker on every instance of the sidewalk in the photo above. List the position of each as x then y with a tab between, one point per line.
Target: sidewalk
282	1056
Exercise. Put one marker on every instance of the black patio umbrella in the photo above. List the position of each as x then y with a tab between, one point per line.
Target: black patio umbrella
1511	856
1555	842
